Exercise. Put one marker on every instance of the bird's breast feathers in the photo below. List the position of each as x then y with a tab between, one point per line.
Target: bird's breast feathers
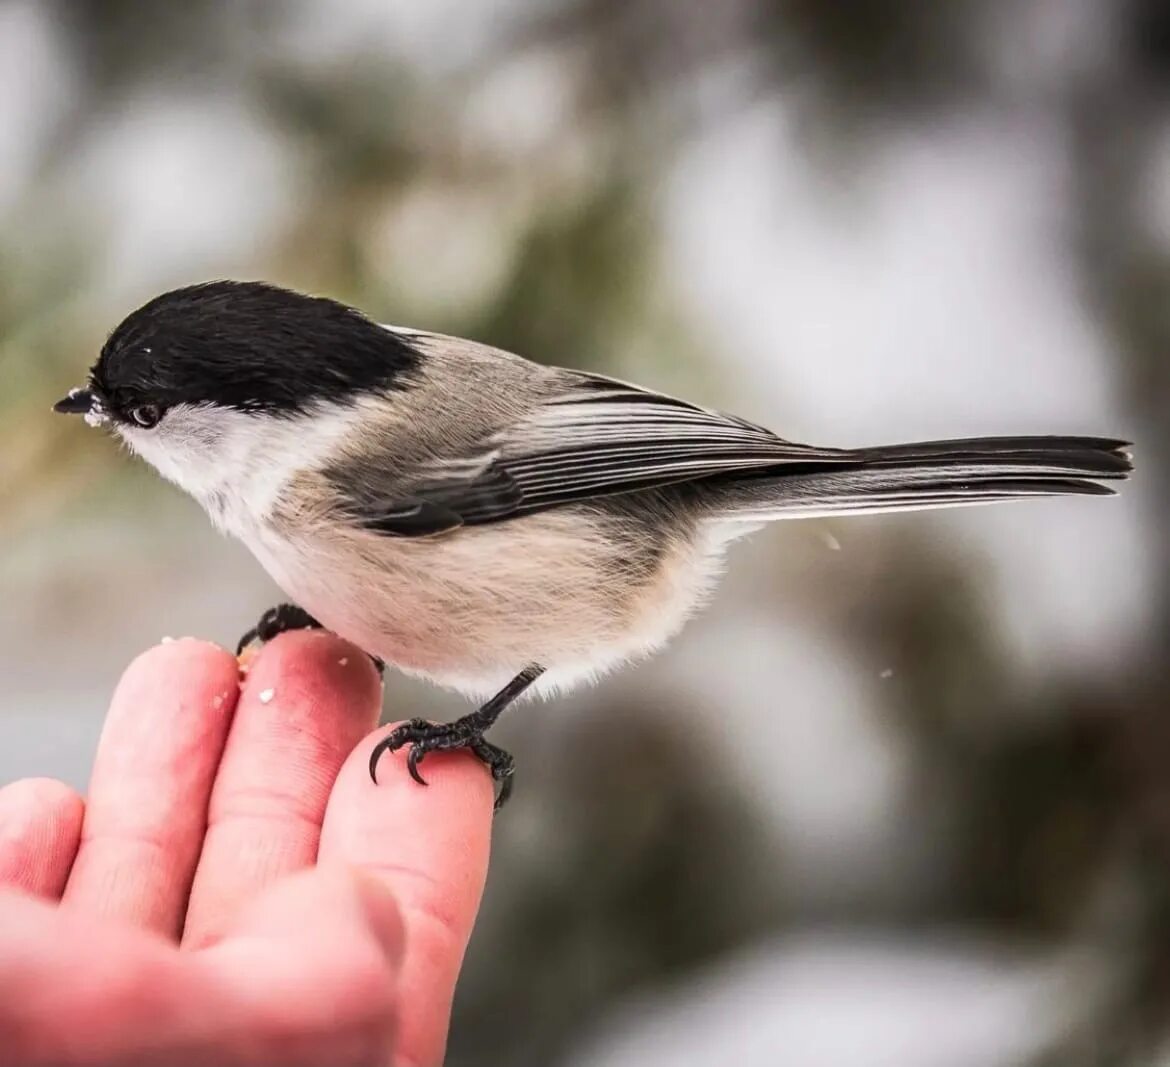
471	607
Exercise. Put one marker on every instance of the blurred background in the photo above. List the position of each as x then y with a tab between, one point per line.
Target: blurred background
902	795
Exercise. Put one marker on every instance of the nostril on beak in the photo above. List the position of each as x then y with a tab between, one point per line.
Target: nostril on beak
75	402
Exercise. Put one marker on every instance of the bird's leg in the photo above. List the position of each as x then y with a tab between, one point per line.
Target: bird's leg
467	732
279	620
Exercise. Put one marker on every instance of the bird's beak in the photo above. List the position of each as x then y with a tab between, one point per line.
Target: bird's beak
75	402
82	402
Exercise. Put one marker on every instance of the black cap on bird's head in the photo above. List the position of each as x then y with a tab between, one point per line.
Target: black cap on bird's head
248	346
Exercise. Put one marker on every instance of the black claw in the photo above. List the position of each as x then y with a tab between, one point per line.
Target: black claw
375	755
246	640
409	733
413	758
505	792
501	764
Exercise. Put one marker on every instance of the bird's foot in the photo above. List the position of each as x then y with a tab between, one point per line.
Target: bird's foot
467	733
276	621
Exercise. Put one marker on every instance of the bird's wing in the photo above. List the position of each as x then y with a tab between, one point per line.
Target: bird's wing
597	438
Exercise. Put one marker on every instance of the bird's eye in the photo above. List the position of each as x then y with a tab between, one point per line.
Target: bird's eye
146	415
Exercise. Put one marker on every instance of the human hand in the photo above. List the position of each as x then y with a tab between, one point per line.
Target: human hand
234	890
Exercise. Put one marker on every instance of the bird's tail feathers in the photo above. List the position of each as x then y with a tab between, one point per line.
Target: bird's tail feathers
930	474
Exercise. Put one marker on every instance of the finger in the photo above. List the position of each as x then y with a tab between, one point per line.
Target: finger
313	983
40	825
147	806
429	846
310	697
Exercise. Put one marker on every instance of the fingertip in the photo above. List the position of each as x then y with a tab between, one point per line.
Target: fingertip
429	843
319	657
146	814
41	795
173	663
429	847
171	650
308	699
40	827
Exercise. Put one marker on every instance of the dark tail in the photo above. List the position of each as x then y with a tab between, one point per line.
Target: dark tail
932	474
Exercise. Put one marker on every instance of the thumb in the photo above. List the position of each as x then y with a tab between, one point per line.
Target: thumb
334	901
314	958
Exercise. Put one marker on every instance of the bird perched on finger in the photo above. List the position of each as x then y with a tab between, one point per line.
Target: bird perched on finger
493	524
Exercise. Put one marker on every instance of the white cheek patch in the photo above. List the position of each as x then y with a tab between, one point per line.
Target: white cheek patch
236	464
228	460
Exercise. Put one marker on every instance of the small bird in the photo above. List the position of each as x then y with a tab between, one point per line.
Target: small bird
489	523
